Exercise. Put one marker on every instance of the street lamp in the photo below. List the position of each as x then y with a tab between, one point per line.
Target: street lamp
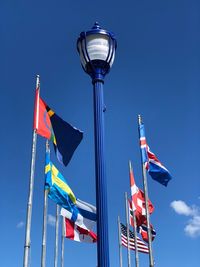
96	48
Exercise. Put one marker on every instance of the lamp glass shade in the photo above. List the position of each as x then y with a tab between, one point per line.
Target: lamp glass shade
82	53
97	46
96	50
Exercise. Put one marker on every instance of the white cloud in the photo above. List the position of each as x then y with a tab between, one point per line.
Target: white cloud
181	207
20	224
192	228
51	220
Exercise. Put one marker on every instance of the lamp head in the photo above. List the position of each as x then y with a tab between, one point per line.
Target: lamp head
96	48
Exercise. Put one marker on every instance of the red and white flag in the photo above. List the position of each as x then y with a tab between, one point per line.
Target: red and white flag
76	233
144	232
137	203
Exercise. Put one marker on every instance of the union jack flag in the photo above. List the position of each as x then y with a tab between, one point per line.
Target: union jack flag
154	167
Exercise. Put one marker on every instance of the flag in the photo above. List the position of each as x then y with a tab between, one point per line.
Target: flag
81	229
139	206
59	191
140	218
154	167
134	188
138	198
144	232
64	136
76	233
142	247
86	217
141	225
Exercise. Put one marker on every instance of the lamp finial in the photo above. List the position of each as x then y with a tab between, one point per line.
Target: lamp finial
96	26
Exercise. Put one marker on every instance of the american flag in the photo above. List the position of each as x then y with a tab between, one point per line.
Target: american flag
142	247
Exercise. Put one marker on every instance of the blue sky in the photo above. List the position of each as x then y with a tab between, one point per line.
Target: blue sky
155	74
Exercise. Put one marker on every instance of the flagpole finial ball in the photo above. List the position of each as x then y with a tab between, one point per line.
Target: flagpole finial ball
139	119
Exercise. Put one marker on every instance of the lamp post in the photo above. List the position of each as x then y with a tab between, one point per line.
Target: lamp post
96	48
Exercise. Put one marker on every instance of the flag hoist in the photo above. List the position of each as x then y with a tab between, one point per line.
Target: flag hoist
45	208
127	226
65	139
27	244
56	236
120	241
62	243
151	261
132	185
159	173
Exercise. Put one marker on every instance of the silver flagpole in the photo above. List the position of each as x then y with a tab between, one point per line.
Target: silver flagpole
63	243
44	232
135	237
120	242
134	228
151	261
56	236
27	244
127	227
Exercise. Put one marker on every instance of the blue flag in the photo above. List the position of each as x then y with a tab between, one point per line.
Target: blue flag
154	167
64	136
67	138
59	191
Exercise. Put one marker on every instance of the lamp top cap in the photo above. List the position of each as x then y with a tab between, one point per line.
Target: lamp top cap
96	29
96	26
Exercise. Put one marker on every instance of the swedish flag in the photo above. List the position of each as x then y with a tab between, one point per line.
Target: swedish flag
59	191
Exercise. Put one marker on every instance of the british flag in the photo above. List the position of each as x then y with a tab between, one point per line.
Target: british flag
154	167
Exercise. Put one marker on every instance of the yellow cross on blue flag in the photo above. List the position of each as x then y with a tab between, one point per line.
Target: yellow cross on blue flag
59	191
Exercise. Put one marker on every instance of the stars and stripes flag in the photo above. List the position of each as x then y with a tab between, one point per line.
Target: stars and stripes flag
154	167
142	247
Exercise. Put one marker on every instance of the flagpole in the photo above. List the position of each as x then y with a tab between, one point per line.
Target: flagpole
27	244
151	261
127	225
56	237
135	236
44	232
62	244
120	241
134	228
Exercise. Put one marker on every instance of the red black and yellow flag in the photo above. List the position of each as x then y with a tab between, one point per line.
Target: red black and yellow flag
64	136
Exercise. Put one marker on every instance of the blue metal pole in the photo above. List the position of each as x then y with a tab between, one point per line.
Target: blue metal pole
101	190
